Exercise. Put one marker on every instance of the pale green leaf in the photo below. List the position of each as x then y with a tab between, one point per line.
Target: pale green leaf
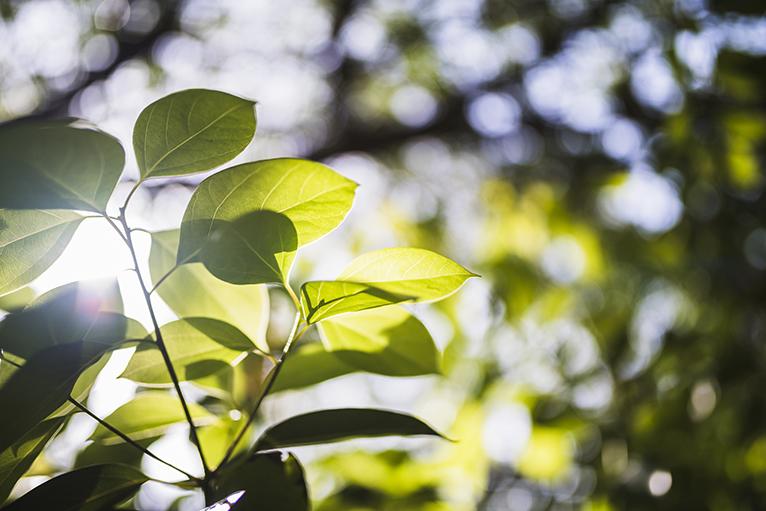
217	438
384	277
52	165
30	241
339	424
17	300
245	223
198	347
388	340
191	291
192	131
148	415
93	488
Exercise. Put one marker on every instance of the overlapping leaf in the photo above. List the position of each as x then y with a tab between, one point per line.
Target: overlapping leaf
42	385
245	223
387	340
30	241
271	481
381	278
191	291
16	460
55	165
191	131
93	488
66	315
147	416
198	347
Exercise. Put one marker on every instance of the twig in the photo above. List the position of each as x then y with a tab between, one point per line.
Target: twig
271	378
161	343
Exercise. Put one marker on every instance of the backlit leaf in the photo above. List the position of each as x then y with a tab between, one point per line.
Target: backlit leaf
191	291
198	347
308	365
30	241
16	460
52	165
387	340
42	385
245	223
327	426
192	131
93	488
67	314
384	277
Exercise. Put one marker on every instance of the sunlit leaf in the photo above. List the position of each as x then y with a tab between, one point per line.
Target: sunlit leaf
17	300
148	415
217	438
43	384
16	460
327	426
272	481
192	131
384	277
387	340
191	291
94	488
124	454
308	365
52	165
198	347
245	223
30	241
82	387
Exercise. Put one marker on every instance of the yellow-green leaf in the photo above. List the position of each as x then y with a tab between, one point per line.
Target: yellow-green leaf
192	131
30	241
388	340
148	415
245	223
191	291
55	165
198	347
381	278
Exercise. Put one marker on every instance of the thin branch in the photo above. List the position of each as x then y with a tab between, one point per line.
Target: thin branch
127	439
111	428
271	378
161	345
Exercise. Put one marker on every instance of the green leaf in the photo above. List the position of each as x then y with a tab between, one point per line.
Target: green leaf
16	460
387	340
198	347
245	223
42	385
17	300
94	488
384	277
308	365
327	426
191	291
148	415
272	481
52	165
217	438
192	131
65	315
30	241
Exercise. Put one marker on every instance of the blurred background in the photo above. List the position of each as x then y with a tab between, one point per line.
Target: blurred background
599	163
